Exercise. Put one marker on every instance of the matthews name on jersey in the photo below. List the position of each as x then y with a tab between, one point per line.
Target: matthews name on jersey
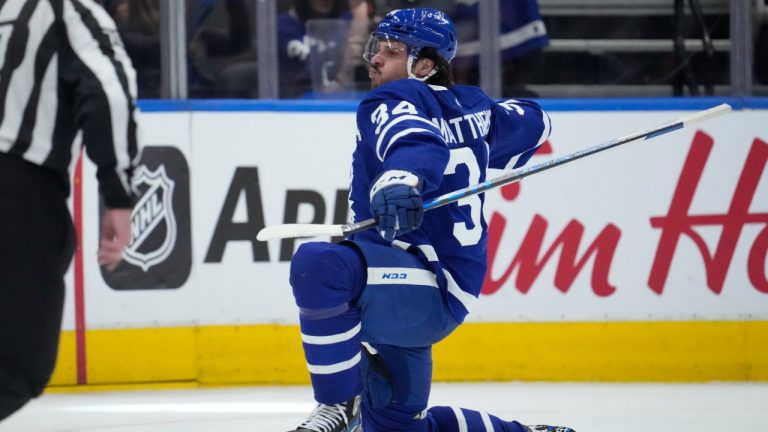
448	137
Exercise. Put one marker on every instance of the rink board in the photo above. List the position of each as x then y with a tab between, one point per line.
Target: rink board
644	263
692	351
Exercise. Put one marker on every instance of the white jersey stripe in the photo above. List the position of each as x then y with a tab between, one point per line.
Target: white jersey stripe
391	124
461	422
403	133
547	128
511	164
8	13
82	41
544	135
465	298
38	127
22	81
400	244
429	252
487	422
42	134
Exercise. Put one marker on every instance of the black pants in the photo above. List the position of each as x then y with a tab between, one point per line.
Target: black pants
36	246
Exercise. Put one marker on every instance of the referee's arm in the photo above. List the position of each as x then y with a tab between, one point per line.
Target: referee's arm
104	83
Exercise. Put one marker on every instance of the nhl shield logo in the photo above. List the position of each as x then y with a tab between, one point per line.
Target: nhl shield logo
153	223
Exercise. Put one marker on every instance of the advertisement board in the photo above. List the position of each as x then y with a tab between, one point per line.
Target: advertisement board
673	229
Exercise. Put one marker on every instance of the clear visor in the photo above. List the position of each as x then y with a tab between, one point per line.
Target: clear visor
383	46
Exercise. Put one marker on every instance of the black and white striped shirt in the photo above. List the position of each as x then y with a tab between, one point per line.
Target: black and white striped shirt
64	71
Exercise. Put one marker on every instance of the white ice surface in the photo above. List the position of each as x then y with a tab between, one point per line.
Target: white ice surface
715	407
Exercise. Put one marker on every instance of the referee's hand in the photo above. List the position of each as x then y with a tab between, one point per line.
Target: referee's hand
115	236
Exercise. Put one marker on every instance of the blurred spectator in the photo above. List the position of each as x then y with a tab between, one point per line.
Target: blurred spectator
761	48
219	42
353	70
296	46
522	35
139	24
221	56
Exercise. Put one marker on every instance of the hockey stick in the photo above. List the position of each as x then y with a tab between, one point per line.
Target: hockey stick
311	230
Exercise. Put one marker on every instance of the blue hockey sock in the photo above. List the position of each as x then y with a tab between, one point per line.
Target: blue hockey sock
332	350
451	419
326	279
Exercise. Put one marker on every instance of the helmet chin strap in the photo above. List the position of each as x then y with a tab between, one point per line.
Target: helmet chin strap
411	74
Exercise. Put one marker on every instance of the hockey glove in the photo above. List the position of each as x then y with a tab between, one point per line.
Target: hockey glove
396	203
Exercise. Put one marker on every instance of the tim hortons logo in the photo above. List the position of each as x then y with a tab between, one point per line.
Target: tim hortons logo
153	222
677	223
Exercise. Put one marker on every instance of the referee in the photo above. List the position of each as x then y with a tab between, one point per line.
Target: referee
63	73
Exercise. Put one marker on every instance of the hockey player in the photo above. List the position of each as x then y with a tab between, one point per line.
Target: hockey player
405	286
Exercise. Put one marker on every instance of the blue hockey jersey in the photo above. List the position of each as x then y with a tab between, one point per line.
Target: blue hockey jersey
449	137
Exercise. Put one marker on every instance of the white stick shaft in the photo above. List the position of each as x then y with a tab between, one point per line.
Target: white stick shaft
298	230
311	230
706	114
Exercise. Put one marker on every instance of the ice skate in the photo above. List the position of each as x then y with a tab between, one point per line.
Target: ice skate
546	428
343	417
